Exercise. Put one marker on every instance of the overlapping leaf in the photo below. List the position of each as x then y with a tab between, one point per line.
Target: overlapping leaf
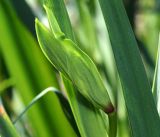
68	58
61	51
156	82
31	73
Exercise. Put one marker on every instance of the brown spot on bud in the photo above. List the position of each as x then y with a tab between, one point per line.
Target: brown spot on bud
109	109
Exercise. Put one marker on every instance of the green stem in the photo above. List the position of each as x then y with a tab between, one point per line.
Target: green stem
112	124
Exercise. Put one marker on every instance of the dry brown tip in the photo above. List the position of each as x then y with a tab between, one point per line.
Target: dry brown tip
109	109
1	110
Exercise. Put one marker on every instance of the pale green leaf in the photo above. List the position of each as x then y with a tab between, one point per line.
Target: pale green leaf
156	82
68	58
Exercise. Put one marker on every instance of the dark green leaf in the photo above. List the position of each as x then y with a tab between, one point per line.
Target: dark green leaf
142	113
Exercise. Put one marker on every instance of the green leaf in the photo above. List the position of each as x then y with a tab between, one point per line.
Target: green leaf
65	105
6	127
61	15
31	73
57	32
156	82
142	113
5	84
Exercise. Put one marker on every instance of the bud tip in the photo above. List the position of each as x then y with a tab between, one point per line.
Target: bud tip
109	109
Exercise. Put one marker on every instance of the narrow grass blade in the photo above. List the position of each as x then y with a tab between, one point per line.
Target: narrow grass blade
142	113
54	26
35	99
59	9
156	82
65	106
6	127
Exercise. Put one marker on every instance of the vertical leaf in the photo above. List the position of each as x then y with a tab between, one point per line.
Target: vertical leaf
6	127
156	82
59	9
142	113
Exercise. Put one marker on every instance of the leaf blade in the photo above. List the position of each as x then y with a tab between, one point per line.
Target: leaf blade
137	91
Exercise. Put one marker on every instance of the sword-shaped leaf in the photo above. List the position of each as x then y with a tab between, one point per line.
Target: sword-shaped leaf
142	113
156	82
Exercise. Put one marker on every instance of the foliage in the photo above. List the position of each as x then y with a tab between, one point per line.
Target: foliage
83	71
